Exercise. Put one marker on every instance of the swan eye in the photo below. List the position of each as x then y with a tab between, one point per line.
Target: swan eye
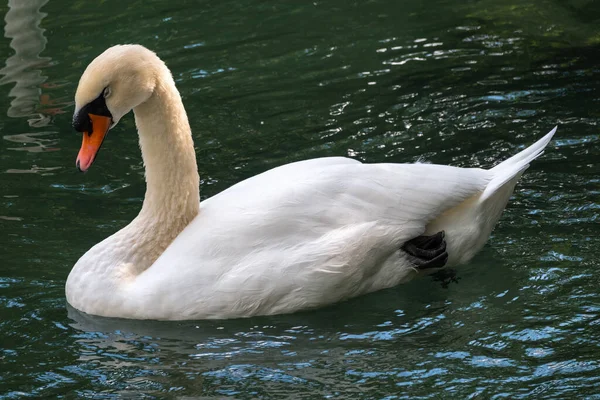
106	92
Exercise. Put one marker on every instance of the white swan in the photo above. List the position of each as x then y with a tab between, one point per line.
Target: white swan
299	236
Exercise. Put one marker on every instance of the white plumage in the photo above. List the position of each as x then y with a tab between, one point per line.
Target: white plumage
299	236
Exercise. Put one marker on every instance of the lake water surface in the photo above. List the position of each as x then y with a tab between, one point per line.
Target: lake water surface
270	82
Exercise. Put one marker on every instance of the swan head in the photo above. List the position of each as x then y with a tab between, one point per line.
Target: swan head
114	83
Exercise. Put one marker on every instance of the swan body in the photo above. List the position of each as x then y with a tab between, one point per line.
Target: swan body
299	236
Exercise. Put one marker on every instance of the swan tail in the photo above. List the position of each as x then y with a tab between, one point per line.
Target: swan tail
511	169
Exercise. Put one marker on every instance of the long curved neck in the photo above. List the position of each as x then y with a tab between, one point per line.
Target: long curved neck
172	182
172	197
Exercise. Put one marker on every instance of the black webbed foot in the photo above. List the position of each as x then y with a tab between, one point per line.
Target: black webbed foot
427	251
446	277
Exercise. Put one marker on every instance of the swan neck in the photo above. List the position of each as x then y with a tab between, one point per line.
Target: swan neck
172	181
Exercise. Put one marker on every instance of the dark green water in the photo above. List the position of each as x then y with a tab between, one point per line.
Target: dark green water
265	83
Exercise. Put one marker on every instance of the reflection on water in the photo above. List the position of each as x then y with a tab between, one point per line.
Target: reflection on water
41	141
24	70
33	170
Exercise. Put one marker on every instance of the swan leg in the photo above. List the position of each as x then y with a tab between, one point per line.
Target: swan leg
427	251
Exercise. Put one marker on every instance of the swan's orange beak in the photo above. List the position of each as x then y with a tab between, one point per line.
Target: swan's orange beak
92	141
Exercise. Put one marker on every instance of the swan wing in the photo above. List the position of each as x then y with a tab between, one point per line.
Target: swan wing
309	198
